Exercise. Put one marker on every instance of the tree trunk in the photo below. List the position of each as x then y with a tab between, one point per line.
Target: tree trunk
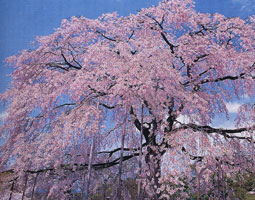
12	188
121	156
153	161
153	154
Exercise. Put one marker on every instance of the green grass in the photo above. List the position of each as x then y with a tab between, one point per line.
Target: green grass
250	197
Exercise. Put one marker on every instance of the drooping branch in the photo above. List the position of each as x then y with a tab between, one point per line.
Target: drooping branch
140	159
118	149
230	77
33	188
91	159
200	158
80	167
25	187
119	186
227	133
219	79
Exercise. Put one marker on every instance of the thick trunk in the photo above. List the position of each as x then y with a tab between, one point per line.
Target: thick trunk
153	155
153	161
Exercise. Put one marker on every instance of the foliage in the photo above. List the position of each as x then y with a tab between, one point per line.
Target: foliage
81	81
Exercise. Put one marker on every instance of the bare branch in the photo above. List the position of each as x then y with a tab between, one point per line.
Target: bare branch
208	129
106	37
118	149
68	63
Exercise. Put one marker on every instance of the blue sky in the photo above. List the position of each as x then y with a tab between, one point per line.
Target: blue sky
22	20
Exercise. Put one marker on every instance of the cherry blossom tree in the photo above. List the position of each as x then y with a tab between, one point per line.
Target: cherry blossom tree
81	81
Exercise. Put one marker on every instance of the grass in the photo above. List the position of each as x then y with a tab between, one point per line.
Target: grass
250	197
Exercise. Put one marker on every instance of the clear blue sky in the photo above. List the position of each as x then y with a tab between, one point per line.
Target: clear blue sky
22	20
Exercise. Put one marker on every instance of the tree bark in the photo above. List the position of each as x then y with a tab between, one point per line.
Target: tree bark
12	187
153	160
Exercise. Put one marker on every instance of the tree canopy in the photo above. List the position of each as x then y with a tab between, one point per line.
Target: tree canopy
81	81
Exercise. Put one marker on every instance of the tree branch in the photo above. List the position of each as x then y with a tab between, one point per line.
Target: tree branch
107	106
106	37
118	149
68	63
221	131
162	33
